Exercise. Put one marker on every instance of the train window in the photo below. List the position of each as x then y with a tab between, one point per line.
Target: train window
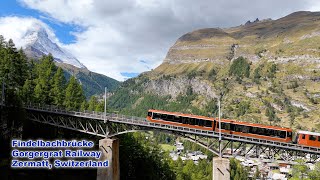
185	120
208	123
227	126
238	128
223	125
201	122
163	116
268	132
191	121
176	118
303	136
272	132
261	131
282	134
232	127
170	118
254	130
312	138
245	129
156	116
149	114
196	121
318	138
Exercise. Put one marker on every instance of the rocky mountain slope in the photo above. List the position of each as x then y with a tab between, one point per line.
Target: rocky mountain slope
37	43
264	71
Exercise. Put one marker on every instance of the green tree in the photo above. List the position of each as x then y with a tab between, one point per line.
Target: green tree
242	108
58	88
257	75
84	105
92	103
272	71
237	172
240	68
27	92
74	95
100	107
315	173
300	170
45	71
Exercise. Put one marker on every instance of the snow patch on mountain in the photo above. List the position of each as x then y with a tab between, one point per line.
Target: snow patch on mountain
37	39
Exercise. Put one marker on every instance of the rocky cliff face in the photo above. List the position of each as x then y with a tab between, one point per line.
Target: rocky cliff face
176	86
284	70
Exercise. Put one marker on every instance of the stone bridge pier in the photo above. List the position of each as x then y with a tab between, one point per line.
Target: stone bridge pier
221	169
110	151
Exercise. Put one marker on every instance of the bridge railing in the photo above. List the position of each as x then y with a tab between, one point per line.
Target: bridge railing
86	113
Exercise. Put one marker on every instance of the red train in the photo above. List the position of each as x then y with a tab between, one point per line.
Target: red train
273	133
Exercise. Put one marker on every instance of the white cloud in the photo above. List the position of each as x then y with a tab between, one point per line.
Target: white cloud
118	34
13	27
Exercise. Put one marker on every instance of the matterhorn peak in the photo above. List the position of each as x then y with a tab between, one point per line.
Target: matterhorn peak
37	40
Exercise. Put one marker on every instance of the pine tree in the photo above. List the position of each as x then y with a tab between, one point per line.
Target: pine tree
57	92
45	71
27	92
2	42
100	107
84	105
92	103
74	95
20	68
11	45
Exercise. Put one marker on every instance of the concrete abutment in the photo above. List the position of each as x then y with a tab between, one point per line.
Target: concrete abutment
221	169
109	148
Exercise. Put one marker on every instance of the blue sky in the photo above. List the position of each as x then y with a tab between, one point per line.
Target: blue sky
62	30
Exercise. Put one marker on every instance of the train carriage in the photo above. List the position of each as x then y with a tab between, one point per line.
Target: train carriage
179	119
307	138
272	133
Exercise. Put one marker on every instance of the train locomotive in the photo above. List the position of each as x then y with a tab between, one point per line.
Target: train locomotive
259	131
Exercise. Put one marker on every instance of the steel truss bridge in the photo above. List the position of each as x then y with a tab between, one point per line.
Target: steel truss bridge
112	124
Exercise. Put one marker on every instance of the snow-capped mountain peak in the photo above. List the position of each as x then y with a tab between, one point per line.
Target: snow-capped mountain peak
38	43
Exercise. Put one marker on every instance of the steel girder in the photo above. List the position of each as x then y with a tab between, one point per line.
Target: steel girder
230	148
89	126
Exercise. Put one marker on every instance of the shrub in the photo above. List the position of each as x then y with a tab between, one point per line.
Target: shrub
240	68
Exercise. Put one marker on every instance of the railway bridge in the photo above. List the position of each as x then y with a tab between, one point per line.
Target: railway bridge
109	125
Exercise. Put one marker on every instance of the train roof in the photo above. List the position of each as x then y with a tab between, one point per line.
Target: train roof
222	120
310	133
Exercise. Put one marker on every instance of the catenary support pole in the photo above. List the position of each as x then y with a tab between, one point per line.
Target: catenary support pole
105	103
